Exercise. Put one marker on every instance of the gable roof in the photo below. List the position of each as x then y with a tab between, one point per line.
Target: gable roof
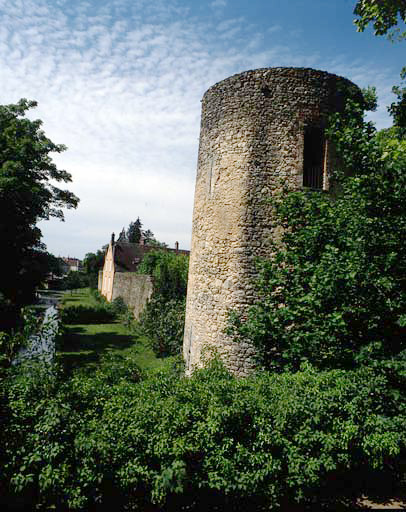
127	256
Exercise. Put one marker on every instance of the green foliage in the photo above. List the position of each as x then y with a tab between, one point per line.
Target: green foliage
101	313
335	288
163	318
9	314
92	264
387	16
11	342
209	442
74	280
97	296
119	306
384	15
370	98
134	231
169	272
84	346
162	321
149	239
28	196
398	108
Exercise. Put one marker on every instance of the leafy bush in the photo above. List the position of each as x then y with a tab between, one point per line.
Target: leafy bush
92	264
164	316
74	280
119	306
209	442
335	287
162	322
12	342
169	272
80	314
97	295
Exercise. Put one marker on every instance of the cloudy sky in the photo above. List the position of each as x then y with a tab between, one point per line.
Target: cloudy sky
120	82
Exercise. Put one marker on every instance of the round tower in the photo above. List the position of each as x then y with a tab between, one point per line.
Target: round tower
260	130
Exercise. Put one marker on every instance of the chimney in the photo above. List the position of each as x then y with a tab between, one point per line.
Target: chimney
176	246
112	239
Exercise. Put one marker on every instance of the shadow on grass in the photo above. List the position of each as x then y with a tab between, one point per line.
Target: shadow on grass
80	349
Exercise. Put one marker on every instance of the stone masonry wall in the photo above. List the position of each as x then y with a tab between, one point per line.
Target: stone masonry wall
251	144
134	289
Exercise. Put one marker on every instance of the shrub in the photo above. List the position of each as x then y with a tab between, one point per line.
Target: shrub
169	272
210	442
12	342
97	295
80	314
74	280
335	286
162	321
119	306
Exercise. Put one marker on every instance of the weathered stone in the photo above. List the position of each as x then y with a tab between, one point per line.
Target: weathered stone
251	146
134	289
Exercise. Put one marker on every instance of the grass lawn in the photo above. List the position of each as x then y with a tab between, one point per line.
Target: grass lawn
83	344
81	296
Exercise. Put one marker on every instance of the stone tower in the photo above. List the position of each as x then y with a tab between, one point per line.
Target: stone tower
260	130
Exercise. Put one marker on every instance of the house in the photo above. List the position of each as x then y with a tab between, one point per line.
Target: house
119	277
71	265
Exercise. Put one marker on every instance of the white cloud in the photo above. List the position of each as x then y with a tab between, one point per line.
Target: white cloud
218	4
120	84
274	28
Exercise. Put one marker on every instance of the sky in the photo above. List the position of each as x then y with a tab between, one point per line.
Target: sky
119	82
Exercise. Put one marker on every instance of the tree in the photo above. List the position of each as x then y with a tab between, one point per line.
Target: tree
149	239
163	319
386	15
27	196
75	280
148	236
383	14
334	293
134	231
398	108
92	264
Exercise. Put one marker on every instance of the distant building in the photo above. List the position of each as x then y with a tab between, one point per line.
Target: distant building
119	276
71	265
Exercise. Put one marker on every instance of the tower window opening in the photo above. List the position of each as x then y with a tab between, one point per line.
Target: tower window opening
313	158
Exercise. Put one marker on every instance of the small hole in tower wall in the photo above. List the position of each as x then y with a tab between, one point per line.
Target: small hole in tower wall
266	92
313	157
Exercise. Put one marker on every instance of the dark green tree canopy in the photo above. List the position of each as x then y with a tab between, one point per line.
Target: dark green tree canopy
27	195
134	231
398	108
92	264
27	169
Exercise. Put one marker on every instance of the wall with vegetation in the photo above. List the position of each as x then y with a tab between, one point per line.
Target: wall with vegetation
251	146
134	289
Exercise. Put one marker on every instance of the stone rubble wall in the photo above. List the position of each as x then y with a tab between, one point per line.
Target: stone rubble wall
251	144
134	289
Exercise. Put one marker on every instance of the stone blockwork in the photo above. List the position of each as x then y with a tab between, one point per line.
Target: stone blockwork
251	144
134	289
